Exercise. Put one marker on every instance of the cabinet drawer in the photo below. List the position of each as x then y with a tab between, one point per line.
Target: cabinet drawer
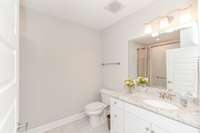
116	103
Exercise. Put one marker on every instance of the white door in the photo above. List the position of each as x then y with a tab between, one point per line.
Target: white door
134	124
182	70
9	10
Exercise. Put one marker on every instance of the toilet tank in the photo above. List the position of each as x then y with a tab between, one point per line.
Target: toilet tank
105	97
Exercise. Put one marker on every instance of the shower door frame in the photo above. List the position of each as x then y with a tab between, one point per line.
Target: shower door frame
149	55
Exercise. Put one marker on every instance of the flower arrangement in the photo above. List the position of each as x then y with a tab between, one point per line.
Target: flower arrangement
140	81
130	84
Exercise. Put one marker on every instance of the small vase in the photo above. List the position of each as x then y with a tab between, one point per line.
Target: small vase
130	90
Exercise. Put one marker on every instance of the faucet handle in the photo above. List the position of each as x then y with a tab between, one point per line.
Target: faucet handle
163	94
171	96
167	94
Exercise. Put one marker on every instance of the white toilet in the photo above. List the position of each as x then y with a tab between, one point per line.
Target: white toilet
96	110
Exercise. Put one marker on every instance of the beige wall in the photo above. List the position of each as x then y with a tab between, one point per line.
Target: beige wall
60	68
115	39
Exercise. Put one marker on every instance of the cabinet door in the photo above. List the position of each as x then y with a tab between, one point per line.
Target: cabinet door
134	124
117	120
137	120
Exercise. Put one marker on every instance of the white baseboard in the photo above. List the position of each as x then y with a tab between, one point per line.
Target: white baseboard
58	123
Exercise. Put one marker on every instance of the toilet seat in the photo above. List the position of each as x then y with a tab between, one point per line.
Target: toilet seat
96	107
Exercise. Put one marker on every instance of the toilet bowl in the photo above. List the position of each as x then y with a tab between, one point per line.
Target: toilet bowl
95	113
98	111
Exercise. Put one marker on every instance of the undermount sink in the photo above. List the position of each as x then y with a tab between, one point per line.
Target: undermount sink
161	104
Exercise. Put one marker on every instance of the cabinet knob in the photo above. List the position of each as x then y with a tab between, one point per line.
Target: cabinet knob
170	82
147	129
115	116
152	131
115	102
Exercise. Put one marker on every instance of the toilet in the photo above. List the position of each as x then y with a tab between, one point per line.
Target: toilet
96	110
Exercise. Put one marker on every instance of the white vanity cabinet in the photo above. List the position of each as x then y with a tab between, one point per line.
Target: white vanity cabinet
117	116
153	123
135	124
127	118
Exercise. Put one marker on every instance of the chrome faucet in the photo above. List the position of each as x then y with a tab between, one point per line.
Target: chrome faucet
167	94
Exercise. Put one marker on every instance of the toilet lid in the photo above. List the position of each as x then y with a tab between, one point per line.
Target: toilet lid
95	106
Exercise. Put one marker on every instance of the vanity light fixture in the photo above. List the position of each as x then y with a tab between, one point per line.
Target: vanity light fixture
172	21
148	29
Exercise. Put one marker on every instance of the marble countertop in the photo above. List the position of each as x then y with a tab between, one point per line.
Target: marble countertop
189	115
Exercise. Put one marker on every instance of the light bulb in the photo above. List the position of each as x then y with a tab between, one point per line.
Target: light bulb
185	17
148	29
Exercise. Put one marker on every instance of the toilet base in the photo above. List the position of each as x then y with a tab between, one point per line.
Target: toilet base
95	120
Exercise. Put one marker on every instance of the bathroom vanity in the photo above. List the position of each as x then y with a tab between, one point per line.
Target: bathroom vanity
130	113
170	62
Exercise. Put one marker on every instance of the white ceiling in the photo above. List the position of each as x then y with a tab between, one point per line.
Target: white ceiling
90	13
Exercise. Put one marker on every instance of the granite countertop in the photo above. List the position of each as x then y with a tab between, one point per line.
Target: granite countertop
187	115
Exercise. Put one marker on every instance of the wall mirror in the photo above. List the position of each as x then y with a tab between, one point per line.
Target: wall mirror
170	59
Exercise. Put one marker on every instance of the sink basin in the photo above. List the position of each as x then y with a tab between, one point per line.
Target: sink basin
161	104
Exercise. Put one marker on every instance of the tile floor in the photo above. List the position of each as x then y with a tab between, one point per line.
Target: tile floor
81	126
